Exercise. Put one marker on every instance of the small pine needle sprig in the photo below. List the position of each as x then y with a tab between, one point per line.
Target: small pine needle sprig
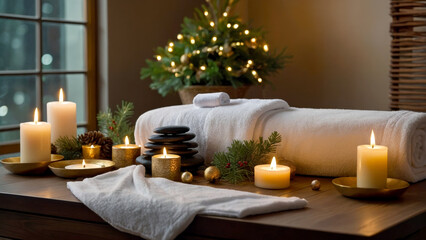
117	125
238	163
69	147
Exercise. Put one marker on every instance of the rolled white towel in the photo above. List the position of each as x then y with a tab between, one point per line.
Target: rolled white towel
211	99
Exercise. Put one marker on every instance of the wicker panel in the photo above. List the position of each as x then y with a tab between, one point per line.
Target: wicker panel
408	52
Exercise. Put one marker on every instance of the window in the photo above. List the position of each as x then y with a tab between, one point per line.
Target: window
45	45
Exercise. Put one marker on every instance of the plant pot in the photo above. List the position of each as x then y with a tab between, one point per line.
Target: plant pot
188	93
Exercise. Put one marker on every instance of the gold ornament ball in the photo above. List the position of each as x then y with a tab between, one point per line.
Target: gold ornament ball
187	177
315	185
212	174
184	59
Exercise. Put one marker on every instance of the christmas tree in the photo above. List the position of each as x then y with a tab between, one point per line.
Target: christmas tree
213	48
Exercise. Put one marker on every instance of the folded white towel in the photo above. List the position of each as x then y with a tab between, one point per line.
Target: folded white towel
211	99
215	128
157	208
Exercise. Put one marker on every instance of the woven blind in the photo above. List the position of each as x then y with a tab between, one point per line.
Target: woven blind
408	52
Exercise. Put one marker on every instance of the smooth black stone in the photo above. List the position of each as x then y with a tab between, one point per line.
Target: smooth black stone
185	152
145	163
177	145
171	129
171	138
193	161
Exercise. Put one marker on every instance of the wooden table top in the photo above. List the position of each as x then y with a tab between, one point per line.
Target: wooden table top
328	214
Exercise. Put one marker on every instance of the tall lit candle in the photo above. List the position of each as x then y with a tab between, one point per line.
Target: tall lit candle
62	115
125	154
272	176
35	140
372	165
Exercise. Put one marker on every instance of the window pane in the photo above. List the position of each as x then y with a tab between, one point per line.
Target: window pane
9	136
63	47
17	45
18	7
17	99
74	86
81	130
64	9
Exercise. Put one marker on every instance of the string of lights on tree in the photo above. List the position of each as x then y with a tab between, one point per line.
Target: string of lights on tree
213	48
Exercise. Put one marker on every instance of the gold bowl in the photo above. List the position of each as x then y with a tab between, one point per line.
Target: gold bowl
347	187
15	166
58	168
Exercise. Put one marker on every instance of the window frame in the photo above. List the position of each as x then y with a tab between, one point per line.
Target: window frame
90	72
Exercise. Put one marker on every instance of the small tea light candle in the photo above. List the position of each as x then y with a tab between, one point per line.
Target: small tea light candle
125	154
372	165
166	166
62	116
91	152
34	140
272	176
83	165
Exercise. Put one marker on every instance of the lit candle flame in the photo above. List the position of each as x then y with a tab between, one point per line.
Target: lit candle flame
126	141
84	164
36	116
164	152
372	139
92	146
61	95
274	164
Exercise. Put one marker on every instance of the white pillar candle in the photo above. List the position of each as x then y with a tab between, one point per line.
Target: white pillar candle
35	141
272	176
62	116
372	165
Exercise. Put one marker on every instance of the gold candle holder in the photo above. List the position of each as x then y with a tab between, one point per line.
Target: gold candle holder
91	151
125	154
166	166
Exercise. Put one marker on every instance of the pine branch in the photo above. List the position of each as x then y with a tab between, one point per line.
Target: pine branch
70	148
117	125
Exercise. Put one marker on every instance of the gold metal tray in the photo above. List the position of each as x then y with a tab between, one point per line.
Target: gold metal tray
15	166
58	168
347	187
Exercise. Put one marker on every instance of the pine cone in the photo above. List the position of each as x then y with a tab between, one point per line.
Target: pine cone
91	138
106	148
53	149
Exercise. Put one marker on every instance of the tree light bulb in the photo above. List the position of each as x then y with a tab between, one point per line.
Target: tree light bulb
236	26
259	80
265	47
179	36
228	25
214	39
171	44
229	69
158	57
221	48
250	62
206	13
246	32
225	14
176	74
170	49
172	63
253	40
254	72
212	24
192	40
203	68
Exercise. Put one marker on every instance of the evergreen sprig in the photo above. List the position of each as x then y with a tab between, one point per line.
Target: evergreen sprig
117	125
69	147
237	164
213	48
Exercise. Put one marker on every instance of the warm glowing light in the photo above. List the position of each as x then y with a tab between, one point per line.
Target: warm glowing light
164	153
229	69
259	80
83	163
265	47
246	32
254	73
197	52
179	36
92	146
126	140
176	74
225	14
214	39
206	13
192	40
61	95
171	44
36	116
172	63
203	68
221	48
253	40
212	24
250	62
236	26
228	25
274	164
158	58
372	139
209	49
170	49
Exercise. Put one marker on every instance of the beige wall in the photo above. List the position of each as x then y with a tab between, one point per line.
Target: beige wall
340	48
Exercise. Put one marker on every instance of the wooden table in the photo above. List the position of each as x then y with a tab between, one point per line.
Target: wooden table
33	207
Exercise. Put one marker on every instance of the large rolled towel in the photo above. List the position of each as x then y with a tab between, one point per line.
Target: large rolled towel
320	142
211	99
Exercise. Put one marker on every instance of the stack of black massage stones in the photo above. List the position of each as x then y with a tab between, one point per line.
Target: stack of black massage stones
176	140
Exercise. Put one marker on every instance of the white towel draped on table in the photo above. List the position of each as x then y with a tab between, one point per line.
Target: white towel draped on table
320	142
157	208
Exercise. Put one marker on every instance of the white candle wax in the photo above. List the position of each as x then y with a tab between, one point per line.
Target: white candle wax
83	165
372	161
62	116
267	176
35	141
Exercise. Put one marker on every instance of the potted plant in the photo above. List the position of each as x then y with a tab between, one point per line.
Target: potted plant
213	52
